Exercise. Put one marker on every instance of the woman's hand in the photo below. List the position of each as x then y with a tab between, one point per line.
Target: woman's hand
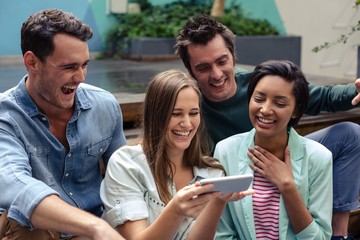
191	200
232	197
277	171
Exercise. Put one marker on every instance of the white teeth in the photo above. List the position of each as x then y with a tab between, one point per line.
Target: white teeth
182	133
219	84
70	87
264	120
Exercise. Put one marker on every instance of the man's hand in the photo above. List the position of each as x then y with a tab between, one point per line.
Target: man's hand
102	231
356	99
54	213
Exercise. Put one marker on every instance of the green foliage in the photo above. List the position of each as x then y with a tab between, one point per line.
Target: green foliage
166	21
244	26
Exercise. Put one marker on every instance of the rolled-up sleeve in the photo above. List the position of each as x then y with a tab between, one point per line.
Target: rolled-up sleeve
20	192
124	187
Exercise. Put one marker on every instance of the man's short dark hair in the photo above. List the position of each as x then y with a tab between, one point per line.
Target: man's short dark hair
38	31
200	30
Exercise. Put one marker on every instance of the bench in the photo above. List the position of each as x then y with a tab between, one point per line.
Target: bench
308	124
132	111
354	223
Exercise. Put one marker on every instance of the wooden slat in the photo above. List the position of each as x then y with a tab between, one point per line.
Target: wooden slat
354	223
132	110
310	124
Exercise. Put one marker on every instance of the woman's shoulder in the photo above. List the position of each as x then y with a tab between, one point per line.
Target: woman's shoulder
310	146
314	146
208	172
129	154
234	140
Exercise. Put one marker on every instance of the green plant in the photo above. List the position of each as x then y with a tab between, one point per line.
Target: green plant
343	38
242	25
166	21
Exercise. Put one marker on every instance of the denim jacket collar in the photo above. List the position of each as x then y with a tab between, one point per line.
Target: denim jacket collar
24	100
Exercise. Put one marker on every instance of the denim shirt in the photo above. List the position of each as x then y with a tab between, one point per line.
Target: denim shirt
34	164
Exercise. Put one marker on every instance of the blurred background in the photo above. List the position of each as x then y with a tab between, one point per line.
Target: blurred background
316	22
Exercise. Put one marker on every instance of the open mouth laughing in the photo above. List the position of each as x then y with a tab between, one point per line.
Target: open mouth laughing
265	120
218	84
181	133
68	89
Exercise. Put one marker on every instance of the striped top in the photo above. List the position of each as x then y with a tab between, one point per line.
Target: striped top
266	208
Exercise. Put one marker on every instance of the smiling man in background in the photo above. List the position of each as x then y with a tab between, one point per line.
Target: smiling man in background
206	48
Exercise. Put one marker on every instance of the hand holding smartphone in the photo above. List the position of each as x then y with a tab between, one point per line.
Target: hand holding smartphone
227	184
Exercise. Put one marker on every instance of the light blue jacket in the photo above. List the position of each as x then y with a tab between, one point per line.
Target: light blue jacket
312	171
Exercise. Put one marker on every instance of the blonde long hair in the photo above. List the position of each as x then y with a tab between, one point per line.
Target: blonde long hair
159	102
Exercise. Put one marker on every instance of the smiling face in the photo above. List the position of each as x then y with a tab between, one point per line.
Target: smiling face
212	65
53	83
184	121
271	107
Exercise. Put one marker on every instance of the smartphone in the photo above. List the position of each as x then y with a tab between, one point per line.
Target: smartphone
227	184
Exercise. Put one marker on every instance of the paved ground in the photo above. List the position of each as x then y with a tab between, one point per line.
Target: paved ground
124	78
112	75
120	76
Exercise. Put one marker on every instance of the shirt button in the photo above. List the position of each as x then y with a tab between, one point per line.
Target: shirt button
43	118
101	150
67	174
70	193
69	155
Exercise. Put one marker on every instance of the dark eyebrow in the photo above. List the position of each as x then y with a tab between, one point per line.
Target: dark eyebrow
68	65
225	55
277	97
73	64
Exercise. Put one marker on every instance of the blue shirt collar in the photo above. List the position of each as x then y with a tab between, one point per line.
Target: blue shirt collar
23	99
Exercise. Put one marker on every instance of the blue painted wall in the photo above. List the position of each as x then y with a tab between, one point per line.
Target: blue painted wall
94	12
14	12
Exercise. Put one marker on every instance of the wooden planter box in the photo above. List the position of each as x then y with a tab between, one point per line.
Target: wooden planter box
250	50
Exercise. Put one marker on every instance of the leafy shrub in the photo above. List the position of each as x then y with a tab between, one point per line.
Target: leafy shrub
242	25
166	21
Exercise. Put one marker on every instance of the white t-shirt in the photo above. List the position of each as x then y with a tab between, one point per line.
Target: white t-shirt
128	190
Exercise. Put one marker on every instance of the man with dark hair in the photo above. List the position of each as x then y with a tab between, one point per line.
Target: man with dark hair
206	48
55	129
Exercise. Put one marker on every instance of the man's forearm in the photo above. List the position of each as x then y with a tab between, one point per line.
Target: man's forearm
55	214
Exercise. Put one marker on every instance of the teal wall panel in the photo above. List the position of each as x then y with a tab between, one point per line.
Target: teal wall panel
264	9
94	12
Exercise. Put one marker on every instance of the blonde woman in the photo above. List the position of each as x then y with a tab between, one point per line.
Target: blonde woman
151	189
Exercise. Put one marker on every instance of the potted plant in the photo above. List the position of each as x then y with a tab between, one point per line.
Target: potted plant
257	40
151	34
